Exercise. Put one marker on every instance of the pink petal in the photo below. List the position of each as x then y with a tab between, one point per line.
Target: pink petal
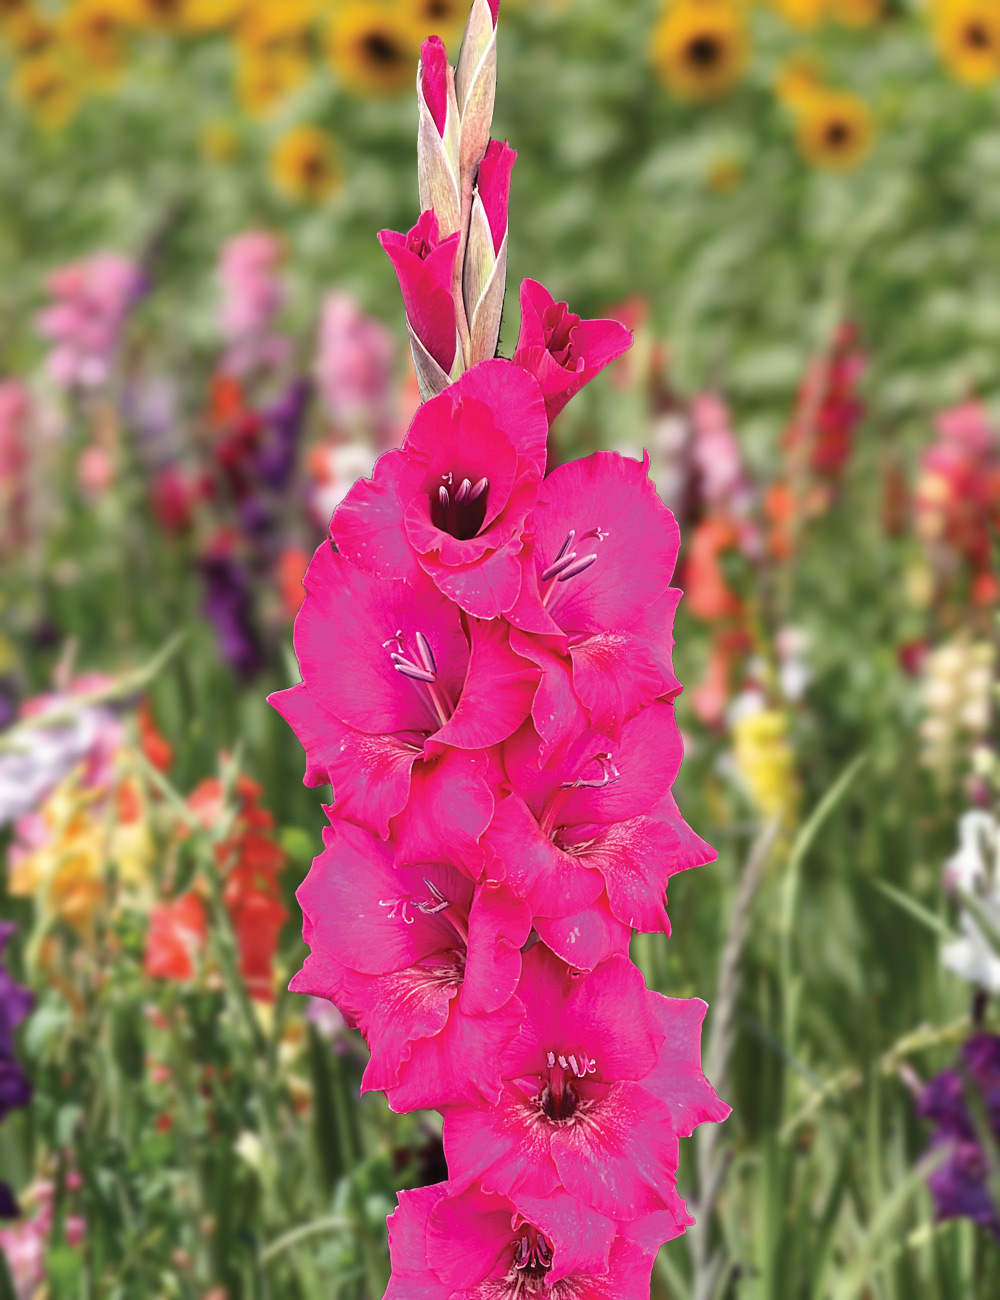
344	636
411	1276
614	677
368	524
586	937
468	1235
499	925
447	812
677	1081
460	1064
608	1014
493	182
636	552
504	1148
425	283
623	1161
434	80
497	694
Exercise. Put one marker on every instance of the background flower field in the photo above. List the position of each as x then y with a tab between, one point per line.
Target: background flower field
794	206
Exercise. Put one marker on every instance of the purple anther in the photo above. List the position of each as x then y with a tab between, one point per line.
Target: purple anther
522	1255
566	544
558	566
464	488
426	653
479	489
439	904
577	568
444	498
544	1252
409	669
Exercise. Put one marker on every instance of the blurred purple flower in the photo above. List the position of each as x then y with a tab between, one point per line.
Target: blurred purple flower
277	451
15	1090
960	1186
228	605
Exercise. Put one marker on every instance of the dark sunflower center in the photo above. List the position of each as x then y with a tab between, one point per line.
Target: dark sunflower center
838	135
314	167
382	49
438	9
705	51
978	37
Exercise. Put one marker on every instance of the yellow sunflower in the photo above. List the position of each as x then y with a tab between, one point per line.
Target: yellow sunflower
213	15
29	34
799	78
700	47
805	14
94	32
372	48
835	130
968	37
281	30
263	80
46	88
304	164
433	17
856	13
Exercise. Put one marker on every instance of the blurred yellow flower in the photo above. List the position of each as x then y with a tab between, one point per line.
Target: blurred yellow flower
283	30
434	17
372	48
46	88
263	80
724	173
835	129
700	47
304	164
968	36
856	13
169	14
805	14
765	762
213	15
800	77
93	32
67	873
29	34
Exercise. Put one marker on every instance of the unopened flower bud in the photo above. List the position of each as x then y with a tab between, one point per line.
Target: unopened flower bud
485	270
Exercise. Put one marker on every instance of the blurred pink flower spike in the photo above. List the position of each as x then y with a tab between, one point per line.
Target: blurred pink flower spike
563	352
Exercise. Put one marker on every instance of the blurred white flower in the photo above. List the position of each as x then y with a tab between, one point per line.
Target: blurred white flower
974	871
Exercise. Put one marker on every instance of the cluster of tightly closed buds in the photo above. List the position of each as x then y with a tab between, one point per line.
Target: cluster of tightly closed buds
487	686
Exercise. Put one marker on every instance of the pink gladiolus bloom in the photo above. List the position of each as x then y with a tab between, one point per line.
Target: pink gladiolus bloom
425	265
453	500
562	351
591	1104
91	302
606	611
478	1246
419	688
423	961
591	838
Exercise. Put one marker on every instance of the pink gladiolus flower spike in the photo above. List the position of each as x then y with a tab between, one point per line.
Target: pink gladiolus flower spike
591	1103
423	961
453	501
478	1246
393	686
563	352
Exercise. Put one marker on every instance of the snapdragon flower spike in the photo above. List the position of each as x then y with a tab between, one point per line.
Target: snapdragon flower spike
419	958
597	592
591	838
563	352
478	1246
424	260
454	500
392	682
581	1109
